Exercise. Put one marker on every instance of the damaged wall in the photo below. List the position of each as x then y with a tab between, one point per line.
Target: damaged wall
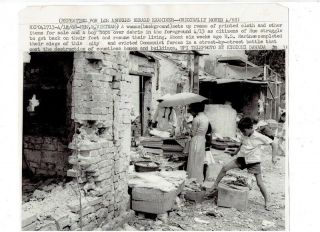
100	146
47	130
101	107
46	155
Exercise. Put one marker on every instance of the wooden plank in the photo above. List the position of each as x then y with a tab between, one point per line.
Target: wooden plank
196	75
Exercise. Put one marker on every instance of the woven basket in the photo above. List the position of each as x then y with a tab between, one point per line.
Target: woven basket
142	166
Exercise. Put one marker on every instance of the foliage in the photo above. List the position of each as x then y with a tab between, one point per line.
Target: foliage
274	58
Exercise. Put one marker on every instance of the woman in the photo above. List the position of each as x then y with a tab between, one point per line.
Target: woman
197	150
165	119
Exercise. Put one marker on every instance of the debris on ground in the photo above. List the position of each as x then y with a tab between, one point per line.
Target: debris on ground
206	215
267	225
163	217
198	220
214	213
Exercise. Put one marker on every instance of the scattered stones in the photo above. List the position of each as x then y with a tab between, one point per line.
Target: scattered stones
181	214
127	227
158	222
39	195
163	217
214	213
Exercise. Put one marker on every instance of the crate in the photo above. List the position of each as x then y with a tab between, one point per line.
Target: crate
232	196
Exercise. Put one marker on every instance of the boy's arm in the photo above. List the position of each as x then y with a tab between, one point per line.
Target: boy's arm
274	151
237	151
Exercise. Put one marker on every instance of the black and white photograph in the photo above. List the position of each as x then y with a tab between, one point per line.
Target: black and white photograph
154	140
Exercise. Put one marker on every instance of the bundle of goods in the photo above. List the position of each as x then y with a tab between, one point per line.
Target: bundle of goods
171	145
155	192
161	134
154	151
192	185
152	142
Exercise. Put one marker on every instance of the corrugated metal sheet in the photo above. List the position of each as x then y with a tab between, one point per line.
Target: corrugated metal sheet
244	72
236	60
226	81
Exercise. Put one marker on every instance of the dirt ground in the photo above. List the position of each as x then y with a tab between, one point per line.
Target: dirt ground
192	216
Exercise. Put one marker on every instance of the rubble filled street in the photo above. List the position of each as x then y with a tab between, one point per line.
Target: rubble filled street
198	216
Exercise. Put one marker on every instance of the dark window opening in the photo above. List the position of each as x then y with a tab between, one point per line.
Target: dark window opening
45	79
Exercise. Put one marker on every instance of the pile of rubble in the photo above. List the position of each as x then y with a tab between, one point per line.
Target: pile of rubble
57	207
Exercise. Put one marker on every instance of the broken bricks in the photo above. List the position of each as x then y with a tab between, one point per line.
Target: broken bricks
28	219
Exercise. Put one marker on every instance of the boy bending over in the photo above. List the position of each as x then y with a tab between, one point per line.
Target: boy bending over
249	156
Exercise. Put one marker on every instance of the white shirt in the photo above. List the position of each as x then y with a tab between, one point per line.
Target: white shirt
251	148
165	122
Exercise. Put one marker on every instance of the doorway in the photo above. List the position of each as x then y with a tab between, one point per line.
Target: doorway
141	103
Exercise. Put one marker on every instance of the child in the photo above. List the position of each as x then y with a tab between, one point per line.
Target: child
249	156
